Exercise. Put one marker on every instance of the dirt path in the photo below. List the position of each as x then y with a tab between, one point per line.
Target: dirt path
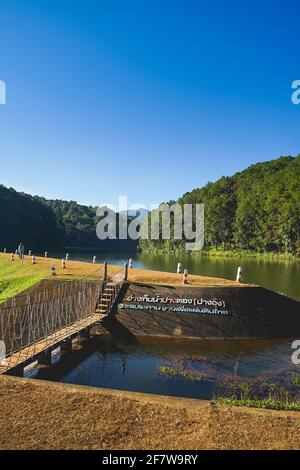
43	415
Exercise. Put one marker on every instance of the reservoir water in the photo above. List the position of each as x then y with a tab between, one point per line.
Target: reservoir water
246	369
197	370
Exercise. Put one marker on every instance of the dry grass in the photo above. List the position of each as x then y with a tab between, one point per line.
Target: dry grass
74	269
43	415
17	276
158	277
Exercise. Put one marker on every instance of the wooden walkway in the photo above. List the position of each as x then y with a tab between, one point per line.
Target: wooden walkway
29	354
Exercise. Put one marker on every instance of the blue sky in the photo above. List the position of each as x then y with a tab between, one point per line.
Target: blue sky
144	98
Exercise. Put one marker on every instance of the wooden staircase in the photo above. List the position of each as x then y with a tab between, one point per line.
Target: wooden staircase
108	297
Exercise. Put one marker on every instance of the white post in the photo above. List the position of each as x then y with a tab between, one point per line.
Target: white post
4	251
29	253
16	252
12	257
239	274
63	263
33	260
125	271
67	256
46	254
94	259
53	270
105	270
178	268
130	265
185	276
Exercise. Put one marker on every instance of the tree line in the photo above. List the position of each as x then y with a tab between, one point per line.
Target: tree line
43	224
256	210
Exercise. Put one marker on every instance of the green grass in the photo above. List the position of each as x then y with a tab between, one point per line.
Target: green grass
186	374
13	286
236	253
268	403
262	394
223	253
16	277
295	379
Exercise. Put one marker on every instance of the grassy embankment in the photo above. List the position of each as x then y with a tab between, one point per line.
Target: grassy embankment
47	415
278	397
263	394
268	403
17	276
227	253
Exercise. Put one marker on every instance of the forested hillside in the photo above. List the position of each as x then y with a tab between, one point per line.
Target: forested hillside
256	210
24	218
51	224
78	223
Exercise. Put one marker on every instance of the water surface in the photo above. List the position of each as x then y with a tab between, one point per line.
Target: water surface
187	369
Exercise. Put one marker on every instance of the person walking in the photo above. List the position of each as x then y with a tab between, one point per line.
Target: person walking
21	250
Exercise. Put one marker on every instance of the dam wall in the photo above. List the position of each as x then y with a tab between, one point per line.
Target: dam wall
225	312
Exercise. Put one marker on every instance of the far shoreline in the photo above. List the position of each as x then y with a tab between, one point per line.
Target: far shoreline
271	256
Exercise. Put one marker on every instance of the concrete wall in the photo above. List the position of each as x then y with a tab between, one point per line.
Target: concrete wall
223	312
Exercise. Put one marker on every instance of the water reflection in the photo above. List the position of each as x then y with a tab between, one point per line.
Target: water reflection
188	369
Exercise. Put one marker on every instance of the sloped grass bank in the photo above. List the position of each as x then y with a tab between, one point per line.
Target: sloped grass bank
19	275
16	276
264	394
9	287
268	404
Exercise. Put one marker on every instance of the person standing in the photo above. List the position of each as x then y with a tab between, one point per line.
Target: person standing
21	250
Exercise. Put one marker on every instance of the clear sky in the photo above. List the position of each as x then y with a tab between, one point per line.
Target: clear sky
147	98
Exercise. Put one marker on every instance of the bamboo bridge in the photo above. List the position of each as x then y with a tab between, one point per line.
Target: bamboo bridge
33	326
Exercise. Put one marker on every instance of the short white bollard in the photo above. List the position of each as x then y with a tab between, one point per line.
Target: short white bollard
94	259
16	252
178	268
67	256
239	274
29	253
33	260
46	254
185	276
53	270
12	257
63	263
4	251
130	264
